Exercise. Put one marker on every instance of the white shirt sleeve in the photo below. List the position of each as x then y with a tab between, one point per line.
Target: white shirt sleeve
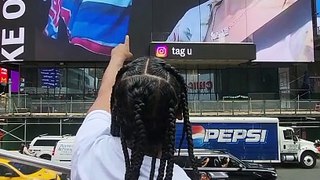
97	123
89	142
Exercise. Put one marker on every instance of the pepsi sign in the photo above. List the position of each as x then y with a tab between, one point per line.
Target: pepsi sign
245	140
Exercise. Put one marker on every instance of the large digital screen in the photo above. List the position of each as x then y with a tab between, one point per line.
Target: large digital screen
87	30
281	29
70	30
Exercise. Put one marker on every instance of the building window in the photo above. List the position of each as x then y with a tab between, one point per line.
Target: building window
200	84
288	134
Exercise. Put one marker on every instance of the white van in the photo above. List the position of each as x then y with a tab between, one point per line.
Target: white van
62	152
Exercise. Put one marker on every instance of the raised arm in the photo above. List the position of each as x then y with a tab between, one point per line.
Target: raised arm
118	55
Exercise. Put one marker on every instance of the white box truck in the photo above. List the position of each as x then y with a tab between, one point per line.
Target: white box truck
255	139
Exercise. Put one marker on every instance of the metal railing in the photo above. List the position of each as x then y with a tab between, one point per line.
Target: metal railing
254	107
215	108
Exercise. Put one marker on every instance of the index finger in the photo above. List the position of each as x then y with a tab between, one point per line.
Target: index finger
127	41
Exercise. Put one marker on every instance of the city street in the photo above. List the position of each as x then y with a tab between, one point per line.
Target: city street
218	85
293	172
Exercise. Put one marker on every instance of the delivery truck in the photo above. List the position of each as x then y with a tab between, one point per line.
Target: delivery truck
255	139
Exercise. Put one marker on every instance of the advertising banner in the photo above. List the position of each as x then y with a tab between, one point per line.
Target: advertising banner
247	141
63	30
17	36
3	76
281	29
203	51
87	30
15	81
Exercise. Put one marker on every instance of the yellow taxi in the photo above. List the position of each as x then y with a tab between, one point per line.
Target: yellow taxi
10	170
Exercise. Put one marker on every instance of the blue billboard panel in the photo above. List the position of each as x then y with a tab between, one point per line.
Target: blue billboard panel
96	25
248	141
65	30
318	15
50	77
318	8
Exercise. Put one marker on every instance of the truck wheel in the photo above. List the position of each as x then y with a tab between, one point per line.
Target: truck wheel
46	156
308	160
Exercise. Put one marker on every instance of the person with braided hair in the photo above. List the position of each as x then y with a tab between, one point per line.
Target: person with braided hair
129	131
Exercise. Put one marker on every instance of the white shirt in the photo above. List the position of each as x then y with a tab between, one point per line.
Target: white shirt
98	155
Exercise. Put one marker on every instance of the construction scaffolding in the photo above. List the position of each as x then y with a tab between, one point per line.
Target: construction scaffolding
23	117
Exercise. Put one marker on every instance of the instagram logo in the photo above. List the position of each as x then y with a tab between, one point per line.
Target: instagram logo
162	51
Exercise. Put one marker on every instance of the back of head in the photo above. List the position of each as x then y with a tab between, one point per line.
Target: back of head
145	94
146	97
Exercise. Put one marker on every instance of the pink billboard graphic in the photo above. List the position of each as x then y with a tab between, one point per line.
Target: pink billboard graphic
15	81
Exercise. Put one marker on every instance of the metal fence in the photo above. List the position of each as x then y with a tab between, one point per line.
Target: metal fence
26	104
255	107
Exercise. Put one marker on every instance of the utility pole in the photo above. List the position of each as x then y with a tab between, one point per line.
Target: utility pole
9	96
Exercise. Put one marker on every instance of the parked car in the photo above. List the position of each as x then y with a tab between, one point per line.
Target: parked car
19	171
211	162
43	145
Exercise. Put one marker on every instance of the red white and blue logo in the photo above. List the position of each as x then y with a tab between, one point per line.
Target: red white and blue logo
198	133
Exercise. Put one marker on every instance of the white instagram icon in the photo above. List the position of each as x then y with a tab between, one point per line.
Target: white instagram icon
161	51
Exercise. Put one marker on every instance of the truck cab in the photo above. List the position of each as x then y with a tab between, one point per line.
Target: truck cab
293	149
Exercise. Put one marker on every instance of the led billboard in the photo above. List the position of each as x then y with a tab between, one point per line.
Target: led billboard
63	30
87	30
281	29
